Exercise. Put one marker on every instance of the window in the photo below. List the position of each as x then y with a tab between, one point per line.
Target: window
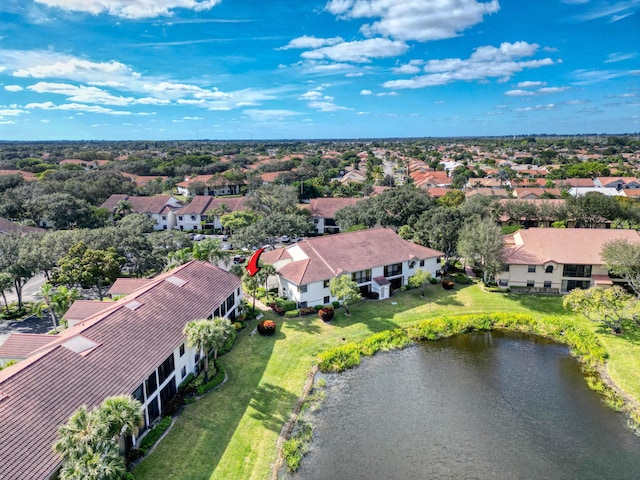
166	369
303	289
325	284
325	300
182	350
164	217
138	393
547	284
193	217
531	283
531	269
231	300
152	409
576	271
392	270
548	269
151	384
503	283
183	372
180	217
422	263
361	276
302	305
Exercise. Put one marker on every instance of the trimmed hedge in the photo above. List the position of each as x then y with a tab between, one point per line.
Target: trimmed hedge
216	380
154	435
285	304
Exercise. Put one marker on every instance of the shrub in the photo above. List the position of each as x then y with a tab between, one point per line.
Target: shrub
340	358
291	313
433	281
509	229
238	326
267	327
335	304
276	309
373	295
326	314
296	447
216	380
307	311
461	278
285	304
447	284
317	308
154	435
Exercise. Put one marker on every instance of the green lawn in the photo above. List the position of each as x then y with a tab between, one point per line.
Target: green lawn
231	433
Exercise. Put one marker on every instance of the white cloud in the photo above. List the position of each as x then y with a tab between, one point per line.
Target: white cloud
549	106
366	92
531	84
13	88
269	115
410	68
75	107
192	118
485	62
7	122
547	90
321	102
307	41
615	11
518	93
81	93
358	51
619	57
11	112
354	74
387	94
415	19
130	8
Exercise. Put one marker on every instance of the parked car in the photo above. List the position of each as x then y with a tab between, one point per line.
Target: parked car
238	259
285	239
199	237
224	238
227	246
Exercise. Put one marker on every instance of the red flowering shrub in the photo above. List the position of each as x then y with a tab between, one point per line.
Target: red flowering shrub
326	314
267	327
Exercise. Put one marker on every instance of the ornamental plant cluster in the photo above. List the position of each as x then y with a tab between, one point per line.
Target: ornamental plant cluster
326	313
267	327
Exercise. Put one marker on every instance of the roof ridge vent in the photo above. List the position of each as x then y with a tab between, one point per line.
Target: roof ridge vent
176	281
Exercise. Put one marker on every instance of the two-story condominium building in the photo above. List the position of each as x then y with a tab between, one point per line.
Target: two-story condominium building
557	260
204	212
377	260
323	212
160	208
134	346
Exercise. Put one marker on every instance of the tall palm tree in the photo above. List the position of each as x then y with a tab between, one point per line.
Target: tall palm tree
122	208
179	257
47	291
211	251
83	429
122	414
206	335
99	462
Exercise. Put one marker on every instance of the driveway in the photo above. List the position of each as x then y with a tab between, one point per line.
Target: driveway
31	324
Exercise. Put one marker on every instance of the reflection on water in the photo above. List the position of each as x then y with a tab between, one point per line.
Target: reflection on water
491	405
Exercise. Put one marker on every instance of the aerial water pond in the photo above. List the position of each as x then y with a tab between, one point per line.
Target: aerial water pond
491	405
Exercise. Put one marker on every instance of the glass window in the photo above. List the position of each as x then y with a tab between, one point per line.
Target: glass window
183	372
422	263
166	369
231	300
182	350
361	276
138	393
167	393
531	269
303	289
151	384
548	269
531	283
547	284
503	283
325	284
577	271
152	409
392	270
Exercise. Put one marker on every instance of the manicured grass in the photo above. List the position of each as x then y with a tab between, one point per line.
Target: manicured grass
231	433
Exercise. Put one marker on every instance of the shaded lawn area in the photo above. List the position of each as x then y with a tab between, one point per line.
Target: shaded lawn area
231	433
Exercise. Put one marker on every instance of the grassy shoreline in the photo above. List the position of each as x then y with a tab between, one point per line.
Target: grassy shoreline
232	433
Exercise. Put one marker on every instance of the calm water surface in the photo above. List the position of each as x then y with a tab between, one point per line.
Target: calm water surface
478	406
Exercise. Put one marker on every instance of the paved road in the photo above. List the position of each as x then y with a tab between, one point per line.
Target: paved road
28	291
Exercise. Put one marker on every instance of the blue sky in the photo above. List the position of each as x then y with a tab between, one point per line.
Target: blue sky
284	69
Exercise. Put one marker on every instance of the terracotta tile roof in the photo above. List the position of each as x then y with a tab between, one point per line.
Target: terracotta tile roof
437	192
28	176
7	226
486	192
42	391
201	203
274	256
271	176
20	345
522	192
327	207
83	309
155	204
580	246
321	258
125	286
575	182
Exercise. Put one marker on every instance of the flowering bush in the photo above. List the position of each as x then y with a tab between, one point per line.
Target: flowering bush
326	314
267	327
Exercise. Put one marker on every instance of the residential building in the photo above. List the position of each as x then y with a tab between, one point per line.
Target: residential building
134	346
619	183
557	260
378	260
7	226
323	212
211	185
194	216
160	208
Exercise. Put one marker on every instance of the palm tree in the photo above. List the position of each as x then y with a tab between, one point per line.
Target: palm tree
122	415
47	292
6	285
122	208
179	257
206	335
102	462
211	251
83	429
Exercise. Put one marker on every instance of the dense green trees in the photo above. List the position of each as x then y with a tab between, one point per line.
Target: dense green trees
345	290
623	258
206	336
609	306
481	245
